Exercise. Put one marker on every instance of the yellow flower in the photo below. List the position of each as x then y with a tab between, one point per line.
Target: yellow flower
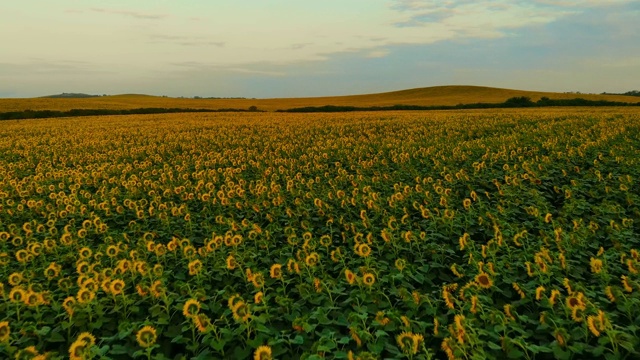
484	281
576	301
262	353
363	250
194	267
85	295
241	312
146	336
368	279
88	338
539	291
554	295
257	298
609	294
407	343
400	264
78	349
257	280
5	332
68	304
350	276
312	259
448	298
276	271
191	308
202	322
591	324
517	288
15	279
116	287
560	338
507	311
626	284
231	262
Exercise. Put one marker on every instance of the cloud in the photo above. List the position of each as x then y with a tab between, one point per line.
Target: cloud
254	69
377	53
135	14
185	40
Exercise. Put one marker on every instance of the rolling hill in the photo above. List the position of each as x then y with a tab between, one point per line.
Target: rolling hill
429	96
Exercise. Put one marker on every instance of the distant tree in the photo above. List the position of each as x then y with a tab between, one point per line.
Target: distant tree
520	101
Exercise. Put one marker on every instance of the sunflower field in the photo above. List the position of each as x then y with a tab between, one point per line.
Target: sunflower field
398	235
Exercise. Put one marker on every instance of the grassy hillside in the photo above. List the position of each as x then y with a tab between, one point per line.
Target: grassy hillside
437	95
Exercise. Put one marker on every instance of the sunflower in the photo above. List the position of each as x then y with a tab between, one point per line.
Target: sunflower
85	295
368	279
32	299
591	324
626	284
407	343
400	264
241	311
82	267
257	280
52	271
146	336
194	267
484	281
276	271
312	259
191	308
88	338
78	350
17	294
609	293
202	322
30	352
560	337
231	262
15	279
364	250
68	304
5	331
85	253
258	297
157	289
117	287
576	301
262	353
350	276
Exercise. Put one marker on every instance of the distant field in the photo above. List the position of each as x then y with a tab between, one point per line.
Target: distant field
482	234
431	96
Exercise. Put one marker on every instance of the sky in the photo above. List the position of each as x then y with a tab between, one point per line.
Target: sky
297	48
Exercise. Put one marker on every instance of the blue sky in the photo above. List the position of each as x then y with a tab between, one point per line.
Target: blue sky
290	48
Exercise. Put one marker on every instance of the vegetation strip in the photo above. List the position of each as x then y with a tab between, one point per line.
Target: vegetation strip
42	114
515	102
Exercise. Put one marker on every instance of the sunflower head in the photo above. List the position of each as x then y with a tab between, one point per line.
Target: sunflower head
241	311
5	332
350	276
484	281
146	336
408	343
276	271
202	322
191	308
116	287
262	353
368	279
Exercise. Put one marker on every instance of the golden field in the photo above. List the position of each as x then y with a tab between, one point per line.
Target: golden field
431	96
484	234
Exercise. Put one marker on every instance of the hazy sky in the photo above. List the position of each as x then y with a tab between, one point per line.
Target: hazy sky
286	48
